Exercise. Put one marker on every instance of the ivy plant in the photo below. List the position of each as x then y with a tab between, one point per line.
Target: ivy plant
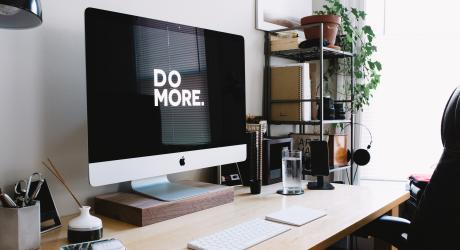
359	40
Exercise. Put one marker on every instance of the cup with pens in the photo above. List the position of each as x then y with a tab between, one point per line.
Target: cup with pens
20	215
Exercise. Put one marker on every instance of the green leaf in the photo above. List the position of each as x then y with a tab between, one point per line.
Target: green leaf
370	39
348	38
368	30
371	65
355	12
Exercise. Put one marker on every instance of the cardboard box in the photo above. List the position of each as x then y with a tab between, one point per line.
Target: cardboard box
284	41
284	44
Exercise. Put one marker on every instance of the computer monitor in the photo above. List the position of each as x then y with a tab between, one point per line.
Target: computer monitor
162	98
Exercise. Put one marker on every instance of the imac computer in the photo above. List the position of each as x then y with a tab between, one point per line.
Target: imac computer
162	98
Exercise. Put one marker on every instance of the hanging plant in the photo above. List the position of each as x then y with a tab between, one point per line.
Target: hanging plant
366	69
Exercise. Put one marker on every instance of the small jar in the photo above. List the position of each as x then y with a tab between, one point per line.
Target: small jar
85	227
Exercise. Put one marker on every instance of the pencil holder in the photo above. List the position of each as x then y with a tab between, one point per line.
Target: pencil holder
20	227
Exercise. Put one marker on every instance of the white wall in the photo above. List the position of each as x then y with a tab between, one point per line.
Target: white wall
42	83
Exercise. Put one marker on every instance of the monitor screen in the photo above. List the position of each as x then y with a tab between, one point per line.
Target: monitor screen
156	87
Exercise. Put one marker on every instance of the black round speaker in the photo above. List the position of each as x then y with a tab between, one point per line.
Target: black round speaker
361	157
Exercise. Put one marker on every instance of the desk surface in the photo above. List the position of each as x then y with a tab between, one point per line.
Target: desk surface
348	208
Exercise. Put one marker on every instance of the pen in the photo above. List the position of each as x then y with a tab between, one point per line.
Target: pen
26	195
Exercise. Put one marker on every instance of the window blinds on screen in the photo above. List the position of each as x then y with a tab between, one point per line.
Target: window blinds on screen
185	53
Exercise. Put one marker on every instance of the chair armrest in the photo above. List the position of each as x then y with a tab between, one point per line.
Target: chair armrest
389	229
396	224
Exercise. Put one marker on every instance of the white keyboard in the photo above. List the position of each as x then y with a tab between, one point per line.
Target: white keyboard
241	236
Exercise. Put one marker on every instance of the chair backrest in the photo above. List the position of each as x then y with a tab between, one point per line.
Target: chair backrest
439	209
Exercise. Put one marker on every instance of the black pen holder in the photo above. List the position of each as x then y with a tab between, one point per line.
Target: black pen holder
255	186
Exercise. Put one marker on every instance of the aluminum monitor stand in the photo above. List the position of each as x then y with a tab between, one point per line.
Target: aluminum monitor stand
161	188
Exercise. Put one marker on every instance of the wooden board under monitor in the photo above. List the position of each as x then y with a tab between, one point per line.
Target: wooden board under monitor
141	210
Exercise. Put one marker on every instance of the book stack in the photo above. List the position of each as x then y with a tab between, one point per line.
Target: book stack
284	41
291	83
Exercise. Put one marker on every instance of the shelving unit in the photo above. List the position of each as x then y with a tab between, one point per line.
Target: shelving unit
312	122
300	55
309	54
336	169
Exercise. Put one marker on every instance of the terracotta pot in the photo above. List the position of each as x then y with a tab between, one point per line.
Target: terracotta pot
331	26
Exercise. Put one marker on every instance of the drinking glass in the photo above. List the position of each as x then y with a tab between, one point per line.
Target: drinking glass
292	172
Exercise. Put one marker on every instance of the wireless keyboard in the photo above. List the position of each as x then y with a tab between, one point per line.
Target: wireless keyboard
241	236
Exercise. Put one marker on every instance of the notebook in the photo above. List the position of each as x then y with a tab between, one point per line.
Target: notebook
290	82
296	216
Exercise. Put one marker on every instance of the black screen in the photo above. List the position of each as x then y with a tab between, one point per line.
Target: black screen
156	87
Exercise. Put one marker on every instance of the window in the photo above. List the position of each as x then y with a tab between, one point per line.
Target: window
418	47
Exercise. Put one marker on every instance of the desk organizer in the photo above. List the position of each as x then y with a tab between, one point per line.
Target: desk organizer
20	227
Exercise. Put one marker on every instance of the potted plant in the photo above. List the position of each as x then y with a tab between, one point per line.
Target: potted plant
360	40
330	27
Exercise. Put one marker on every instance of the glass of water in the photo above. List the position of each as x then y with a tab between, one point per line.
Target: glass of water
292	172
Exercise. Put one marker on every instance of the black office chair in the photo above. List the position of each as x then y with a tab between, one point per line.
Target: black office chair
436	224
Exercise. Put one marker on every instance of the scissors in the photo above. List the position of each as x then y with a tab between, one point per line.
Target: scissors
22	188
40	182
20	191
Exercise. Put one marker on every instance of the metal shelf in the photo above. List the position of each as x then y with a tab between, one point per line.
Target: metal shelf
304	100
336	169
313	122
333	169
298	27
309	54
334	121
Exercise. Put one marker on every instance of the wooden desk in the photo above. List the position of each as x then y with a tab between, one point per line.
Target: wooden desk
348	208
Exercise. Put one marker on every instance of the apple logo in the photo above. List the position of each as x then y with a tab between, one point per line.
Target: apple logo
182	161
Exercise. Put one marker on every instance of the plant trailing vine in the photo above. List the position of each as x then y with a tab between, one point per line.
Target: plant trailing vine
366	69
